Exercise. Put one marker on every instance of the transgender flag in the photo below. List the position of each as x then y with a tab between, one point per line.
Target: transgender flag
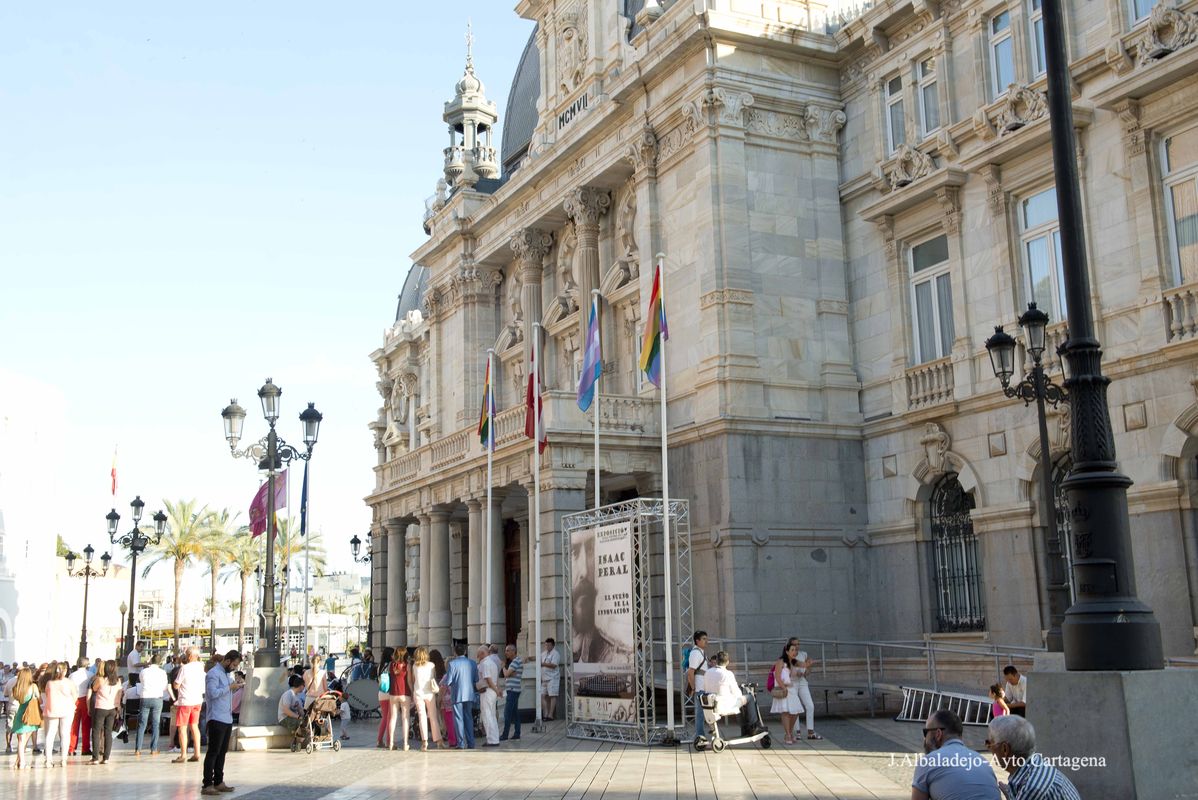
656	332
592	359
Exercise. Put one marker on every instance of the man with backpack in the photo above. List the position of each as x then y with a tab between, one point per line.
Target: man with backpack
696	668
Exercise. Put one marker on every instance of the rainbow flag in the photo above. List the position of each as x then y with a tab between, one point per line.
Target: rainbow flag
656	332
486	417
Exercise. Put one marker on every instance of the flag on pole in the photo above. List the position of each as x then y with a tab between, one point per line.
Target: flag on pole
304	504
592	359
534	420
656	332
113	472
486	417
258	504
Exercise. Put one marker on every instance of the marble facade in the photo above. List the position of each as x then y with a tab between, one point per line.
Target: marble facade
816	413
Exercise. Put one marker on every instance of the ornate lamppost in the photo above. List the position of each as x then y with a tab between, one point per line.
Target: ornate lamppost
1108	627
355	547
270	453
135	541
87	572
1037	387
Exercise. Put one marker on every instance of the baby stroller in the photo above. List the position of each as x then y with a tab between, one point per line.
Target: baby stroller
752	729
315	731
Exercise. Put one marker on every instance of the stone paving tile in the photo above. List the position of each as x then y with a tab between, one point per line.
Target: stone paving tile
860	759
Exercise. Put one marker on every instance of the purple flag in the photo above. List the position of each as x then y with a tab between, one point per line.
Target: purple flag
592	359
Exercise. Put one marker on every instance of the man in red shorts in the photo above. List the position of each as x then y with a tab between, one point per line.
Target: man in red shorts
189	688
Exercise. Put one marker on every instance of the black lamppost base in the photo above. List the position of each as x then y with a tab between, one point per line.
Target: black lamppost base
1113	635
267	657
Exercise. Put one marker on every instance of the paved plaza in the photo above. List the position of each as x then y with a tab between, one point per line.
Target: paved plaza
859	758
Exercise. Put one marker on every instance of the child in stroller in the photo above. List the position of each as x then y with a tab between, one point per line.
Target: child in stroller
724	697
315	729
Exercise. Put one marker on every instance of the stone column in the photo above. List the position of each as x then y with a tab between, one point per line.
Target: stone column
531	245
585	206
397	607
498	606
425	544
412	575
437	592
378	587
474	614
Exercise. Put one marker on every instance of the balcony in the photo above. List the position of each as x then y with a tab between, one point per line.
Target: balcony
1181	313
930	384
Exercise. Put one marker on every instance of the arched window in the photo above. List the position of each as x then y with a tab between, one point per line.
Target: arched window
956	570
1060	470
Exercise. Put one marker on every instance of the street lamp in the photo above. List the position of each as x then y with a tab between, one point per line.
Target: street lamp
355	547
1037	387
135	541
1108	627
87	572
270	453
124	608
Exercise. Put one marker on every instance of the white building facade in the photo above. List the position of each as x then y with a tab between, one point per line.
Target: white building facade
848	207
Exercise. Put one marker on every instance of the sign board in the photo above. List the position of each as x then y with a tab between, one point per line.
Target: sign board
602	624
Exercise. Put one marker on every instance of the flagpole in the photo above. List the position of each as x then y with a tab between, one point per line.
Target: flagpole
490	401
595	299
536	512
665	512
307	557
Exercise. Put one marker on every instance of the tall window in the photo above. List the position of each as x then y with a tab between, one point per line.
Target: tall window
956	570
1042	253
1140	9
932	299
929	100
1036	22
1002	59
1179	159
896	121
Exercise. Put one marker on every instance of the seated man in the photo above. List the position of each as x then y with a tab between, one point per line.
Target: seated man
290	704
720	683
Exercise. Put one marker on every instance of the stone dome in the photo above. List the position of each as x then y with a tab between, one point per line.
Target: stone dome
520	119
413	291
470	84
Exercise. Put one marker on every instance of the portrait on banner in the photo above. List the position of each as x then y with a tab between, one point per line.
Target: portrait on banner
602	625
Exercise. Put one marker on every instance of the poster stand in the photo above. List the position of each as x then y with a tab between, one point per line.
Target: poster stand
612	683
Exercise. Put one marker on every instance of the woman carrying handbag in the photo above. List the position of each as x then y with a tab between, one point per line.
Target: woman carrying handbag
29	714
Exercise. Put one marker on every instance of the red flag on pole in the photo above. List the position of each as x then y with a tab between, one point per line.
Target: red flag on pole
534	421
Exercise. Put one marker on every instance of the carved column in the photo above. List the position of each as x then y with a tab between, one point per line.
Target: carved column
585	206
438	585
531	245
397	607
412	576
498	575
474	572
425	544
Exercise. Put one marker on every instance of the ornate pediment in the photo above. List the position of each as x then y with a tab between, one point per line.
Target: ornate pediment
1169	30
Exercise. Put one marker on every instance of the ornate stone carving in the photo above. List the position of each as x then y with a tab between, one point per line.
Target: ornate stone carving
515	303
824	123
531	245
1169	30
730	105
908	166
572	48
773	123
1133	135
935	442
949	198
1059	415
886	225
982	127
679	136
642	152
628	259
741	297
996	198
566	246
585	205
1020	105
1117	58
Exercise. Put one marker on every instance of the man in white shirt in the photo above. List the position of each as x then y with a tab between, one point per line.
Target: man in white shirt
488	678
550	679
153	689
189	685
1016	690
133	663
81	727
721	682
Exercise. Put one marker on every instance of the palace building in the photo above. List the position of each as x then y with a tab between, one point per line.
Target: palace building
849	201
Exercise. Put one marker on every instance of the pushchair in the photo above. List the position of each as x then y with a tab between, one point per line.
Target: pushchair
315	730
752	729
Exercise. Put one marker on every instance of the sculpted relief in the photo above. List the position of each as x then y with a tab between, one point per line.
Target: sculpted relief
571	50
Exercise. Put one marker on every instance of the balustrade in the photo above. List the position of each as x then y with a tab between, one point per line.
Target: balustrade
930	384
1181	312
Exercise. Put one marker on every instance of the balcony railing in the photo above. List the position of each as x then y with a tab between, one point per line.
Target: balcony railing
1181	312
930	384
452	448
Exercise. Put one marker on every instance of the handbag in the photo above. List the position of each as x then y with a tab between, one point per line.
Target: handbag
33	713
385	681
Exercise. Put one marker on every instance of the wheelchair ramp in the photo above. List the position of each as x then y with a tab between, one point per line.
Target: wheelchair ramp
919	702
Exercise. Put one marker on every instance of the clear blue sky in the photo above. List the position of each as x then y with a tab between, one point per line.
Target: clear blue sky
196	196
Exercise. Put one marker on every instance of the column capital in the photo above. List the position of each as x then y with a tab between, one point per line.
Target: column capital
394	527
585	205
438	515
531	245
474	505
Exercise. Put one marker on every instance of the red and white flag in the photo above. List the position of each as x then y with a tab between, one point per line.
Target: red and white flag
534	414
258	510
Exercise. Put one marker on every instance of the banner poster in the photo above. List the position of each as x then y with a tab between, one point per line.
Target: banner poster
602	645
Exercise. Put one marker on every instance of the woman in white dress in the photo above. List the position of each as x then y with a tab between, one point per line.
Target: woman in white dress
798	676
788	706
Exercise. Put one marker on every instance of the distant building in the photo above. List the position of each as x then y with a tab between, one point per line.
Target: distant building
848	205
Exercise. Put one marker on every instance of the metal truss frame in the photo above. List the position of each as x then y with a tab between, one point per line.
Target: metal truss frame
646	518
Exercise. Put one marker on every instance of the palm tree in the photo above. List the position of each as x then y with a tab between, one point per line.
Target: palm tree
185	540
245	556
316	604
290	547
337	607
217	550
